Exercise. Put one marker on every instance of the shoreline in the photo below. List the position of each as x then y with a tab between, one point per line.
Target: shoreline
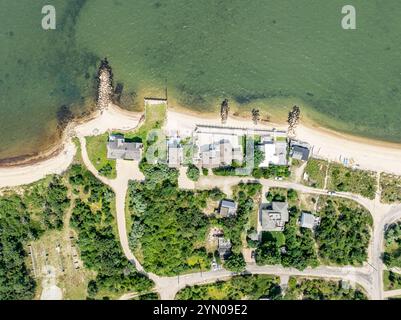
362	153
327	144
100	121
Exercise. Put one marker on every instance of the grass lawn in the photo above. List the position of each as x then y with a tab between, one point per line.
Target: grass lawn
391	188
356	181
155	116
277	236
97	152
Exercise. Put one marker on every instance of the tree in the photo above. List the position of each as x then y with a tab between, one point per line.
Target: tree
193	172
235	263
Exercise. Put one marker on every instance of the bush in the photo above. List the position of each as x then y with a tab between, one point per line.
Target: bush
193	172
235	263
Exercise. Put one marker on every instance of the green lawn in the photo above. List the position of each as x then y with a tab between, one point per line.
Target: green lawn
155	116
97	152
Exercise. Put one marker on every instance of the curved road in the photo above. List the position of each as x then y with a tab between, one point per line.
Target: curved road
368	276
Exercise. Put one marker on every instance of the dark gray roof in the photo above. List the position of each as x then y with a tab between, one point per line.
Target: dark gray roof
274	217
300	152
117	148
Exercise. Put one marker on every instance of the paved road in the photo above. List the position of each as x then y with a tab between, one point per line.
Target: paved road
125	171
369	276
392	293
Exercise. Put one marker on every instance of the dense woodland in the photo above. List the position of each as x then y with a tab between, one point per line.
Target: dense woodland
100	250
318	289
24	218
392	254
251	287
344	232
169	225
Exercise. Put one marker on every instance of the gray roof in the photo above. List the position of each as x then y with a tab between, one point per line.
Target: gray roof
308	220
117	148
228	208
228	203
274	217
300	152
175	156
224	247
220	153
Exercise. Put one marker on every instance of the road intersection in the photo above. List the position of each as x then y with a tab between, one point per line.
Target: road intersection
369	276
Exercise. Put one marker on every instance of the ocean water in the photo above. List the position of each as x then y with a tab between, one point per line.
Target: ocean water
268	52
40	72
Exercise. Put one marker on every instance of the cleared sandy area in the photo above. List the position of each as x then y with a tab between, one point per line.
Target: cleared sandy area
50	289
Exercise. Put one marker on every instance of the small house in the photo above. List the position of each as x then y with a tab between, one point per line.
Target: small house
224	248
300	150
228	208
274	216
175	153
308	220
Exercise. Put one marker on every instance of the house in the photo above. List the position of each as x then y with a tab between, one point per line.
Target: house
224	248
217	146
118	148
175	153
219	154
274	216
299	150
308	220
228	208
275	151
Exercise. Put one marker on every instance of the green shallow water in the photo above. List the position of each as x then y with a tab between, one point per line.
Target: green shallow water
264	51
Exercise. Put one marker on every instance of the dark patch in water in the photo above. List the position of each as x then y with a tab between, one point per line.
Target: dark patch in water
64	115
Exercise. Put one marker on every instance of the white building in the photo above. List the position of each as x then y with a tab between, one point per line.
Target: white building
275	151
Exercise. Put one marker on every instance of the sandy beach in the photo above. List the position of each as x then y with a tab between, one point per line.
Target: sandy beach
361	153
111	118
326	144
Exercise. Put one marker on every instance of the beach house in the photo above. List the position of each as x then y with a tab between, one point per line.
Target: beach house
118	148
